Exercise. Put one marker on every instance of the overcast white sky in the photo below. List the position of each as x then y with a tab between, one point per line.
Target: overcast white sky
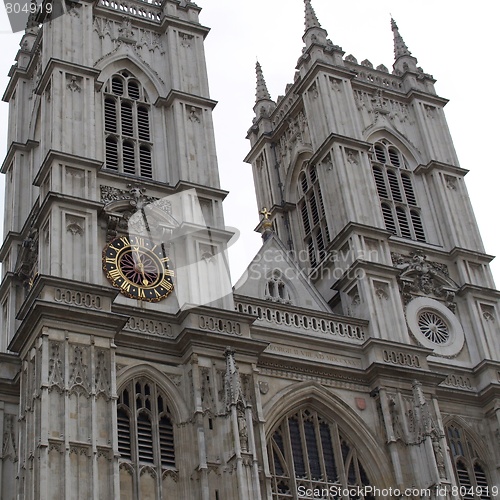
456	43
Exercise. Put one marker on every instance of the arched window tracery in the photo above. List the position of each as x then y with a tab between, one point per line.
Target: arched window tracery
127	128
470	471
395	190
276	289
312	213
145	429
307	451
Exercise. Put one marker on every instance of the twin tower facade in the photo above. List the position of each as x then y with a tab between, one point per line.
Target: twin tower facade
359	352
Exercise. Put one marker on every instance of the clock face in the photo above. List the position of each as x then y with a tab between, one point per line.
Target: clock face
138	267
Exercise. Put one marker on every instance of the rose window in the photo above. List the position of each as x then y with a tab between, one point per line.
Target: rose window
433	327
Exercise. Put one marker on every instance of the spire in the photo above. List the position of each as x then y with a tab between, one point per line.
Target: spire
404	62
314	34
400	48
261	92
311	20
264	105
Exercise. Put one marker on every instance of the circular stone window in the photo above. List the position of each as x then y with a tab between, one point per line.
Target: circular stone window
434	326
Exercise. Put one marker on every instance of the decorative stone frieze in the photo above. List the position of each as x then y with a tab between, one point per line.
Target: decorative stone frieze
401	358
220	325
458	381
149	326
281	318
76	298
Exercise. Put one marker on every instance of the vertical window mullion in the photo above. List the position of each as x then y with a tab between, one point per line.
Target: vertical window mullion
135	121
289	453
305	451
155	421
319	444
334	430
133	411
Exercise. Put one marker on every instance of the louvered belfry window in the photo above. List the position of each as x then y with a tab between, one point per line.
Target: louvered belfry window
470	471
312	213
308	451
127	127
395	190
145	429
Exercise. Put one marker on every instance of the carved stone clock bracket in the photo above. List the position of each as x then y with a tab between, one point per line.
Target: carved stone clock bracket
420	277
130	210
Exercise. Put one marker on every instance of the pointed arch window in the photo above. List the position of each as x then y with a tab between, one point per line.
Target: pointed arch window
312	213
127	127
306	451
397	197
470	471
276	289
145	429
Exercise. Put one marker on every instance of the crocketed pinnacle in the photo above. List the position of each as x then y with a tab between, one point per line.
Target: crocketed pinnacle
261	92
400	48
311	20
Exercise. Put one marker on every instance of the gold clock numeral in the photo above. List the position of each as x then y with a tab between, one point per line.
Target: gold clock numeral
126	286
110	260
166	284
141	293
156	293
164	259
115	273
168	272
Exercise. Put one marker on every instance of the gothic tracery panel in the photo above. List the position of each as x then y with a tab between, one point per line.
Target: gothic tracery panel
307	451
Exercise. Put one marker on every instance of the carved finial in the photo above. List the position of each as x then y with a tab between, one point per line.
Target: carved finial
400	48
234	392
311	20
261	92
264	105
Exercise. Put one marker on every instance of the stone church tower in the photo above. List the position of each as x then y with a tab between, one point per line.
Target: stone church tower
360	349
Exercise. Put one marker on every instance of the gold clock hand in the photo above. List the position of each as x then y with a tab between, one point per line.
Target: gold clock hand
140	265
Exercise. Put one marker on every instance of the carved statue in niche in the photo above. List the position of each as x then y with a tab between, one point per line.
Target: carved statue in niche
304	128
126	32
419	276
235	399
438	454
207	399
395	419
422	427
9	438
242	427
379	103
